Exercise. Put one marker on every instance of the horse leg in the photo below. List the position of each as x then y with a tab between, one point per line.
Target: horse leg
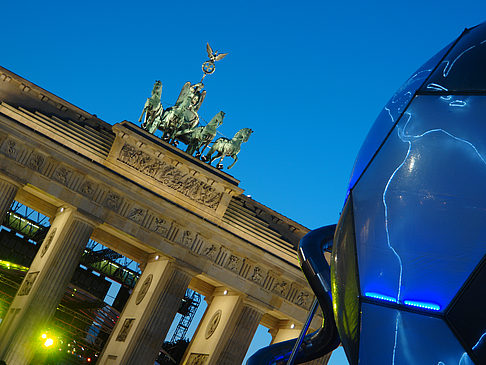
219	165
235	157
204	147
144	110
215	157
191	148
208	155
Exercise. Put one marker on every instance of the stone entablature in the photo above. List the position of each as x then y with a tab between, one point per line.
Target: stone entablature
167	171
156	224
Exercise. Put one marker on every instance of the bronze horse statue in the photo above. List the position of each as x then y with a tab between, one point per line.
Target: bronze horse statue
228	147
152	109
200	137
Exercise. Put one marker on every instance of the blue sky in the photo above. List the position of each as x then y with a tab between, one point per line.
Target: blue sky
308	77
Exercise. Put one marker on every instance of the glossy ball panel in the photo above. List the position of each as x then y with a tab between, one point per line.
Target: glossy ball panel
418	203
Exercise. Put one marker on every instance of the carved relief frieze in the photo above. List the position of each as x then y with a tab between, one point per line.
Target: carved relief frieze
144	289
160	226
28	157
11	149
47	241
303	299
188	239
136	214
234	263
257	275
213	324
112	201
171	176
62	174
87	188
28	283
299	296
35	161
125	329
197	359
210	251
281	287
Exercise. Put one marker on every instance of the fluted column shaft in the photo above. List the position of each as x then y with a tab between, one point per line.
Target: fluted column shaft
7	196
140	332
225	331
240	337
43	286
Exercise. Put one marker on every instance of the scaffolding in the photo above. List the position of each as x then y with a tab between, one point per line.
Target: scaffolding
188	309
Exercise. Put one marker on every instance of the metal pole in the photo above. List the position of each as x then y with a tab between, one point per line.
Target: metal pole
303	332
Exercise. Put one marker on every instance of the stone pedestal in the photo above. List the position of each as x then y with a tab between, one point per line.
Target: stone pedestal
225	331
43	286
139	333
8	191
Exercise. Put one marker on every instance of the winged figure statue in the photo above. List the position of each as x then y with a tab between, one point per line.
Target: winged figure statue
214	55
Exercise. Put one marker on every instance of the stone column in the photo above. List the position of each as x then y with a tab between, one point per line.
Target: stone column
288	330
8	190
225	332
140	332
43	286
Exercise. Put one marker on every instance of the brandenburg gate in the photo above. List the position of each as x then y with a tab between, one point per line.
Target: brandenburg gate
187	223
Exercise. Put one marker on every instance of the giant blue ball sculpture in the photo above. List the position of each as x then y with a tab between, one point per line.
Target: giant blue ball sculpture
409	265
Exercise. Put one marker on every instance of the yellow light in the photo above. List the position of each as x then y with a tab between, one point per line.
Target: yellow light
49	342
44	336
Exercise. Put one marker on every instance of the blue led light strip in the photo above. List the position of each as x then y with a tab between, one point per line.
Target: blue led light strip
380	297
423	305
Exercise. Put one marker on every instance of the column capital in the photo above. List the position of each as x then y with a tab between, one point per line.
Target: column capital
187	268
288	324
250	303
83	215
223	291
8	180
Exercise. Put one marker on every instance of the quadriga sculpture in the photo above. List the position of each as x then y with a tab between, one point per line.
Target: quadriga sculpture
152	110
183	115
200	137
174	118
228	147
194	93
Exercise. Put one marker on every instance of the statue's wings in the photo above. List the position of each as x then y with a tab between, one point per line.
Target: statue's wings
220	56
210	50
184	92
201	99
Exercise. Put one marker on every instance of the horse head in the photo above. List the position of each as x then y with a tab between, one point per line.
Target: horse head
217	119
243	134
157	88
